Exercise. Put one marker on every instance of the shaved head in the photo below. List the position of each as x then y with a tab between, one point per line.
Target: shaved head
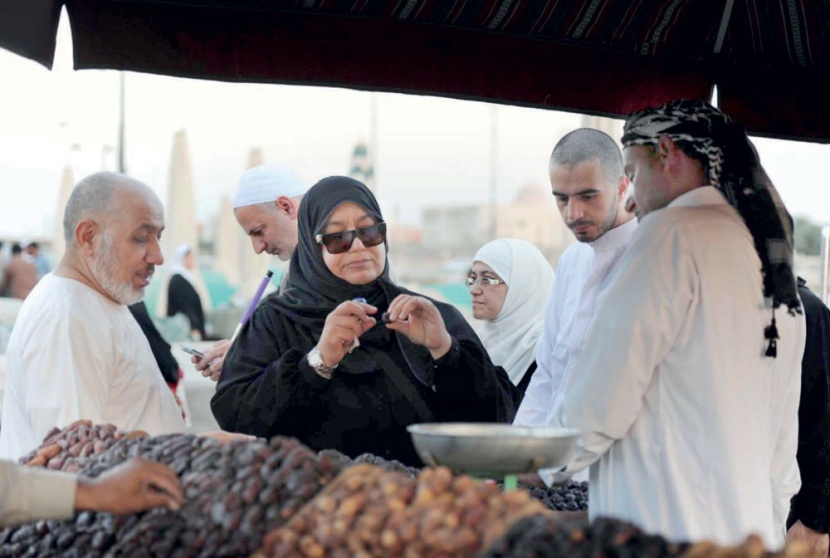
93	198
586	144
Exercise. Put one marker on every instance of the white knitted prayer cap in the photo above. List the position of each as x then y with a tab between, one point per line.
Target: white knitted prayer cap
266	183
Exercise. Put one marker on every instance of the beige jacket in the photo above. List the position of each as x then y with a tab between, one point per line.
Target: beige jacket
33	494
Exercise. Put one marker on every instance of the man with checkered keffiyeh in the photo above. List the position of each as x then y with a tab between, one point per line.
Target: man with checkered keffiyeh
688	386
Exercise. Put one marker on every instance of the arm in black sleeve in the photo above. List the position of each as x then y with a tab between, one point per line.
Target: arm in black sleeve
812	503
167	363
267	387
469	385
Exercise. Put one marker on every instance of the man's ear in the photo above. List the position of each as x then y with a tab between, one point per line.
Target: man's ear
666	146
622	188
668	152
85	233
287	206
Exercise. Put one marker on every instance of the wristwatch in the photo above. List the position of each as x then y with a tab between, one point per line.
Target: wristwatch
315	360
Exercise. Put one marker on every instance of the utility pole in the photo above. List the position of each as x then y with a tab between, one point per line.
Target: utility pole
106	149
373	140
121	167
494	169
825	263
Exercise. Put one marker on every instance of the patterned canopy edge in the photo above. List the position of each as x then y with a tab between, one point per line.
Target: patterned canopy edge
603	57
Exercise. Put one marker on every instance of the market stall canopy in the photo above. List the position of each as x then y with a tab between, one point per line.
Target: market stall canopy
768	59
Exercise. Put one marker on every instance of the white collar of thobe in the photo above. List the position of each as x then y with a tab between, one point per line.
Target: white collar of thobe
617	237
702	195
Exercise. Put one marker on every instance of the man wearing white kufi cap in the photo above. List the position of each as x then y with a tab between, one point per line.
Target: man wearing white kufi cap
265	206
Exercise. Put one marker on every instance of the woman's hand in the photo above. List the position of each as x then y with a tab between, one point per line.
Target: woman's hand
418	319
818	543
343	326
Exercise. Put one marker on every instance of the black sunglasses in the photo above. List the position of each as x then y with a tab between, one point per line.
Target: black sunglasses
339	242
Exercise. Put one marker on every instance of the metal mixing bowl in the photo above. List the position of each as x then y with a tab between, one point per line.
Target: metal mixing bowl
493	449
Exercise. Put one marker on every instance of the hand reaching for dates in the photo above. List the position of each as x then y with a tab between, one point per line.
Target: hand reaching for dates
131	487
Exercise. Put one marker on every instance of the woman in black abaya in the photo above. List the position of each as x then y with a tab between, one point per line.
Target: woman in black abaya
318	363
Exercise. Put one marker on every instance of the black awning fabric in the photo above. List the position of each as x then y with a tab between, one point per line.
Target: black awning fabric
604	57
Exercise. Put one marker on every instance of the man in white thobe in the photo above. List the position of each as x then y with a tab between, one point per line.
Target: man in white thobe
76	352
687	390
587	179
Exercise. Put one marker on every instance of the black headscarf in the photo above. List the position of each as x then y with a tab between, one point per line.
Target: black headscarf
733	167
312	291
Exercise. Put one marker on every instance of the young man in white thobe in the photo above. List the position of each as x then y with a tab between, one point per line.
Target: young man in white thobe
590	187
687	390
76	352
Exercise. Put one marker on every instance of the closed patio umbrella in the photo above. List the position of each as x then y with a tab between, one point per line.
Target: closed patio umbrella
66	186
181	226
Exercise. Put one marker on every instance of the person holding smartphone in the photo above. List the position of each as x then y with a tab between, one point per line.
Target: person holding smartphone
266	204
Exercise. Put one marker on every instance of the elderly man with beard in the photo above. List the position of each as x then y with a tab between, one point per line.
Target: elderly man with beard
76	352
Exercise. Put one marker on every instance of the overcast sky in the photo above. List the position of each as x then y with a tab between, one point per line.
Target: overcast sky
430	150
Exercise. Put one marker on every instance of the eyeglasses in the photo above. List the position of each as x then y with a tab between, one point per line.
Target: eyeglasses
339	242
483	281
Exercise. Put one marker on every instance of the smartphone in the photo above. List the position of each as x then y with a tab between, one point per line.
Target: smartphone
194	352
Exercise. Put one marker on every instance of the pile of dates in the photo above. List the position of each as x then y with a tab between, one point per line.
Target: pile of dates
386	464
546	537
235	493
68	449
568	496
369	512
549	537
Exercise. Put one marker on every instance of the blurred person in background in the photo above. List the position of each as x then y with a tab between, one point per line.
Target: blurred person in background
182	296
320	363
76	352
19	276
266	204
510	283
39	259
4	258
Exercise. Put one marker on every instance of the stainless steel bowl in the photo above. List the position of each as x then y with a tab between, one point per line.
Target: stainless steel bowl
493	449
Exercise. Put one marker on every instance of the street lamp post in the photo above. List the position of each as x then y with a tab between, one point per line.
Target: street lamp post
121	166
494	168
825	262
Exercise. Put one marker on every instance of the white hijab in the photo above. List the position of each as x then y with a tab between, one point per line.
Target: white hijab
177	265
511	338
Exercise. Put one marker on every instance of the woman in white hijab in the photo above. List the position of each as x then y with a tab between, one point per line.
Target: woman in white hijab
182	294
510	282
